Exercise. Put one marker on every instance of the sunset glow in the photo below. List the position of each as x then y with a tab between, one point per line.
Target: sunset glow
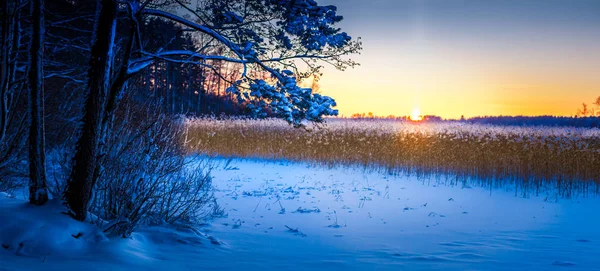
323	135
470	58
416	115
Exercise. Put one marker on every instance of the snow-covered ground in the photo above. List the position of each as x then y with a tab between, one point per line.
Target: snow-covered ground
293	216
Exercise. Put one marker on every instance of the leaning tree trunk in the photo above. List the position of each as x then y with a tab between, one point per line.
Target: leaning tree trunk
84	172
38	190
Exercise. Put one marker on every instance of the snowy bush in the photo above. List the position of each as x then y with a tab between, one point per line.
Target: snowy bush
144	176
161	193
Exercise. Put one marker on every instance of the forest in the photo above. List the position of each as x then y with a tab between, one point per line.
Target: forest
102	83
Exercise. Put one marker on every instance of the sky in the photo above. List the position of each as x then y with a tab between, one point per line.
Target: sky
469	57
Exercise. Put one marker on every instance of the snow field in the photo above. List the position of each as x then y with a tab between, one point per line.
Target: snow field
294	216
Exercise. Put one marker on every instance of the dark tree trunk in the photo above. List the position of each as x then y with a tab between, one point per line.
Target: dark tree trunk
190	94
85	163
173	89
16	41
153	75
218	102
16	44
147	75
200	88
170	88
4	66
38	189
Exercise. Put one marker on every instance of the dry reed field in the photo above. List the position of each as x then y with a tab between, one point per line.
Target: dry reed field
534	159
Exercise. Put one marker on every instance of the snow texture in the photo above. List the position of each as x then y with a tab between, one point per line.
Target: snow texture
337	219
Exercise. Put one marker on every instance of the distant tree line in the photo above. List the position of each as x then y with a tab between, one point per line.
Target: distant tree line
370	115
586	116
577	121
538	121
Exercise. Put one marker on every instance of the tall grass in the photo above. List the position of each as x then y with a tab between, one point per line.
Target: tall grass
566	159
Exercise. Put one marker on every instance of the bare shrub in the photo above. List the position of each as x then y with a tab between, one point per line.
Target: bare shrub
163	193
58	160
13	166
145	178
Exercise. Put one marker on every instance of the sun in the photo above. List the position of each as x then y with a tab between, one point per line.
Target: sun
416	115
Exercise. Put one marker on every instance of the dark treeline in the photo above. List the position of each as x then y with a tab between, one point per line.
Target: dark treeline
179	88
577	121
538	121
185	88
67	27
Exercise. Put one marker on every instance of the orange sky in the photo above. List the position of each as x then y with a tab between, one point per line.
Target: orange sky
429	56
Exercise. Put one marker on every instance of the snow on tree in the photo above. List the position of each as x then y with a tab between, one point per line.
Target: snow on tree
278	37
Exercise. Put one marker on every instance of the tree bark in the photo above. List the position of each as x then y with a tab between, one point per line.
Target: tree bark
171	88
38	189
85	165
4	66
